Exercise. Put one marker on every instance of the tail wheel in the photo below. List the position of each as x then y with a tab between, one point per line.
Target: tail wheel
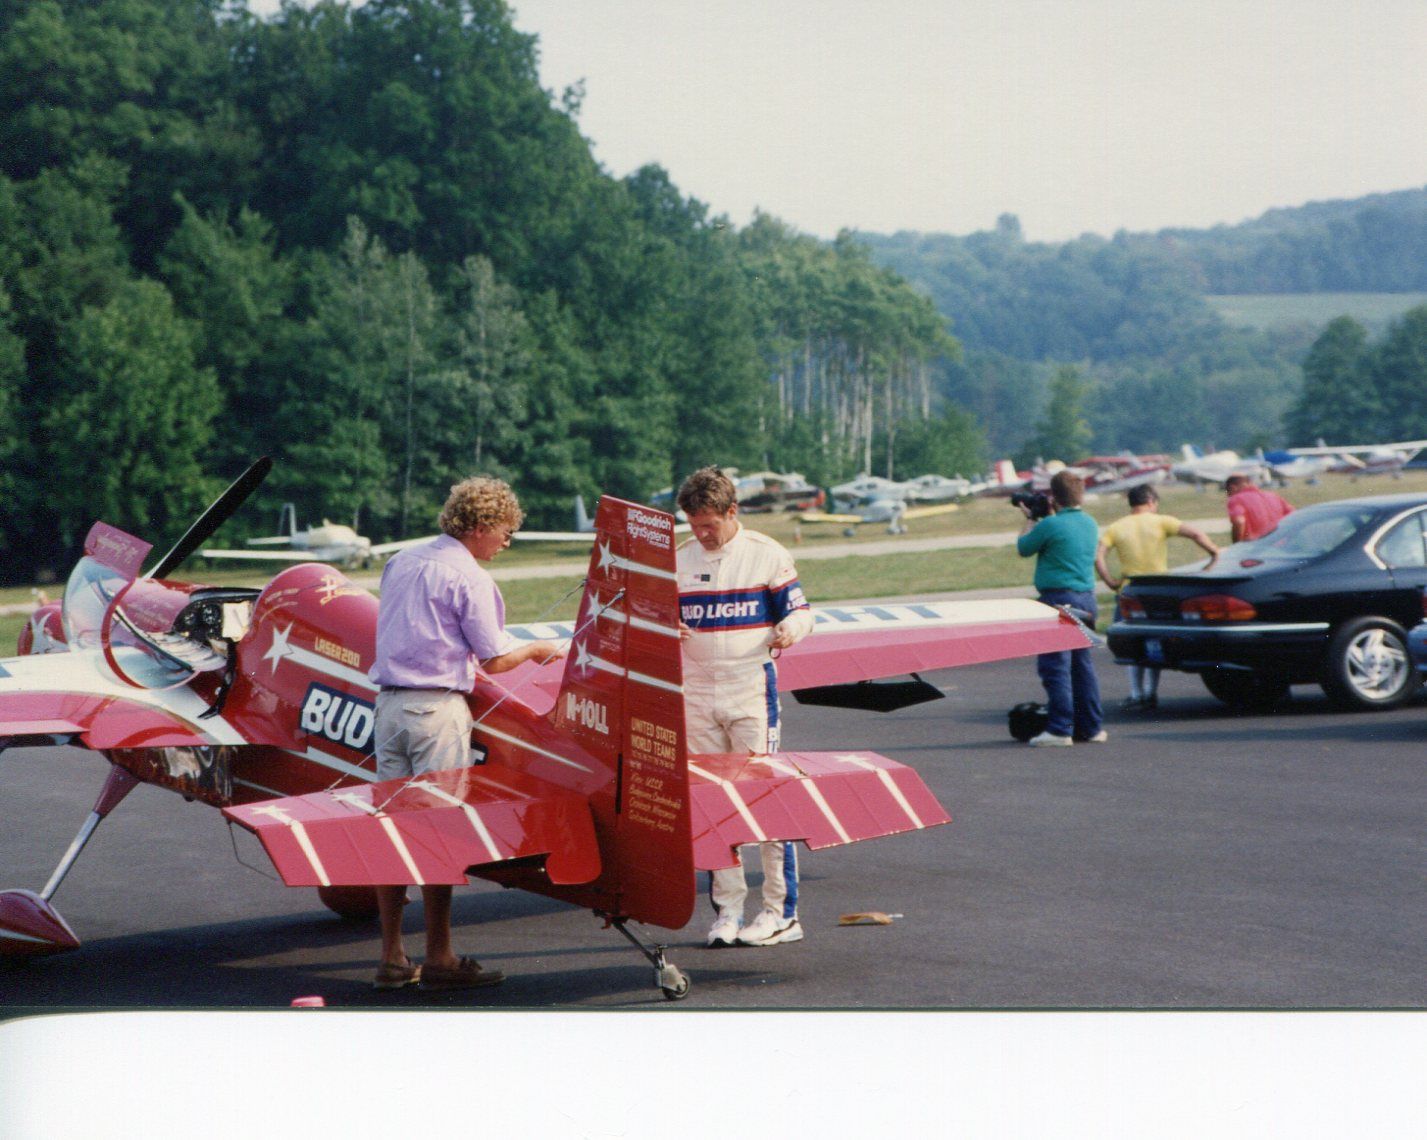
1368	666
1241	689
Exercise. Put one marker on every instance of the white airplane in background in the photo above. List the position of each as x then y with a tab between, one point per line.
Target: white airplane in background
1110	474
867	489
343	546
1285	465
1216	467
938	488
894	512
1366	458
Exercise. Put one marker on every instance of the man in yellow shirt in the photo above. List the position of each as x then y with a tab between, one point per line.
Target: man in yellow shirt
1141	539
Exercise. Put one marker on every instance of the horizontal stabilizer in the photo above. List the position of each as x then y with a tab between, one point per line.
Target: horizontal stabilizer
427	831
822	798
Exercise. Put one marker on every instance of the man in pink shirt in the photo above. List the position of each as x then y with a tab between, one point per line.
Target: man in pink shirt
1253	512
441	615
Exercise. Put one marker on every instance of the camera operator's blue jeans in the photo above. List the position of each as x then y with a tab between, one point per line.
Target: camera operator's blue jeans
1072	690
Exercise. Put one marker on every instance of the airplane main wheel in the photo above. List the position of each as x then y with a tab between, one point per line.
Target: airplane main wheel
674	983
357	903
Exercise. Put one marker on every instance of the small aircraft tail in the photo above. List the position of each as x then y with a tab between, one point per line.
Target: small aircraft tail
622	700
1005	473
583	523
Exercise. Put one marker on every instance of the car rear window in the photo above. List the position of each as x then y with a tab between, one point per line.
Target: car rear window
1309	532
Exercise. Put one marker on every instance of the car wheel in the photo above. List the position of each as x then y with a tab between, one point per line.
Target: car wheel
1368	666
1241	689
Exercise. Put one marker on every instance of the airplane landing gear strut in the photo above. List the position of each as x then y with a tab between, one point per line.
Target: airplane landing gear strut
671	980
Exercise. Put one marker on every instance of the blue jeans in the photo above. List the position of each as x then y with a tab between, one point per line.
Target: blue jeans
1071	688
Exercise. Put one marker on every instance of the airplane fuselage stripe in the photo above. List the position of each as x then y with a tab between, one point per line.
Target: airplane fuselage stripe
519	743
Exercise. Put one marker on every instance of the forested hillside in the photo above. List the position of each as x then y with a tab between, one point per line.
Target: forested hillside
1155	364
365	241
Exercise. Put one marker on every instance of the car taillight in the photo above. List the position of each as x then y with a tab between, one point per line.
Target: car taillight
1132	609
1216	607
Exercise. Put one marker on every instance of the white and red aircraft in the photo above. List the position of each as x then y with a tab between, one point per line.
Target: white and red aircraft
257	702
341	545
1365	458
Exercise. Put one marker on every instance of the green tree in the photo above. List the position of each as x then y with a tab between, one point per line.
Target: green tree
1336	403
1399	370
950	443
131	423
356	412
1062	432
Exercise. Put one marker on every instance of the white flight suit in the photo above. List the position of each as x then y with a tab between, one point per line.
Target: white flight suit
731	598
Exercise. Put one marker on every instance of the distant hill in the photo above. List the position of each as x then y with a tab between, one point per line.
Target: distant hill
1184	334
1374	244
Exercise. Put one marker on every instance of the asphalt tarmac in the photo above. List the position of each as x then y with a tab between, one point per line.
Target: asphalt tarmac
1199	859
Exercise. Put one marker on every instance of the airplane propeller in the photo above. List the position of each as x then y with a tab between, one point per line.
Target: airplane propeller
214	517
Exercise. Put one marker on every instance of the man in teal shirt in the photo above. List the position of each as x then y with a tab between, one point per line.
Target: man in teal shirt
1063	544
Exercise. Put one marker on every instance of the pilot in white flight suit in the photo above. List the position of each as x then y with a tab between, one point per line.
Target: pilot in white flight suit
739	599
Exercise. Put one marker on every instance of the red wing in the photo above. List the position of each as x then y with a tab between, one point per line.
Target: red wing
70	693
426	831
863	643
822	798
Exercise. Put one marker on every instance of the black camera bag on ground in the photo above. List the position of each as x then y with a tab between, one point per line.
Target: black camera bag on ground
1027	719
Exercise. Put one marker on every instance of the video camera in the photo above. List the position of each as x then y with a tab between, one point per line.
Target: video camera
1037	502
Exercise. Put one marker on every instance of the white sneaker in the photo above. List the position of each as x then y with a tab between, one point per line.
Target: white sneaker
1099	738
724	932
1050	740
769	929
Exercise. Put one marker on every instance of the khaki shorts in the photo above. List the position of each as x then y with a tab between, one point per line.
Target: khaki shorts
421	730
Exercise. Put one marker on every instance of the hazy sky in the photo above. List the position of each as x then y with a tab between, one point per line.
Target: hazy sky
939	115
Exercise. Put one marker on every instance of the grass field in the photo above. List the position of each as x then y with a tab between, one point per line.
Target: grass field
834	579
1276	310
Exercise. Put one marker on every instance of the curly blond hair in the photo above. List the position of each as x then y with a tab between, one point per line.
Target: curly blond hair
480	500
707	489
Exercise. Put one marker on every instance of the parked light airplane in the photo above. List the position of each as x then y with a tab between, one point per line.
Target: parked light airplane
1366	458
257	702
343	546
1216	467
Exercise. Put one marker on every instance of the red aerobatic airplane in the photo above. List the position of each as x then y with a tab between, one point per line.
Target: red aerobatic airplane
257	702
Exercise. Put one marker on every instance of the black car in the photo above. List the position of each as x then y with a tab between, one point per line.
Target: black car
1327	597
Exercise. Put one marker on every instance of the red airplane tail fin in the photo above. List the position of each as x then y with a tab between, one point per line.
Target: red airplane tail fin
622	700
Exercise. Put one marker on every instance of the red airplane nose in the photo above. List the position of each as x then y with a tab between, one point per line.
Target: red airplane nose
30	927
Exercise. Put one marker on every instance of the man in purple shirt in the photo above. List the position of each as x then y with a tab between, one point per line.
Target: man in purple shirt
441	615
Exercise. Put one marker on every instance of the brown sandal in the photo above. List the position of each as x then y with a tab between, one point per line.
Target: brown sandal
464	975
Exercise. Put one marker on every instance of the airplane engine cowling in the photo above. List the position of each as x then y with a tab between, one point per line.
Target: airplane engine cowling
302	666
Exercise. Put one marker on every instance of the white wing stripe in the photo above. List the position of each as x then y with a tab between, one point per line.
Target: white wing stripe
731	791
303	840
890	784
389	826
477	824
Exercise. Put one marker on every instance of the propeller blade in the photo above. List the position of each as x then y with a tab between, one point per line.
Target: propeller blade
214	517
